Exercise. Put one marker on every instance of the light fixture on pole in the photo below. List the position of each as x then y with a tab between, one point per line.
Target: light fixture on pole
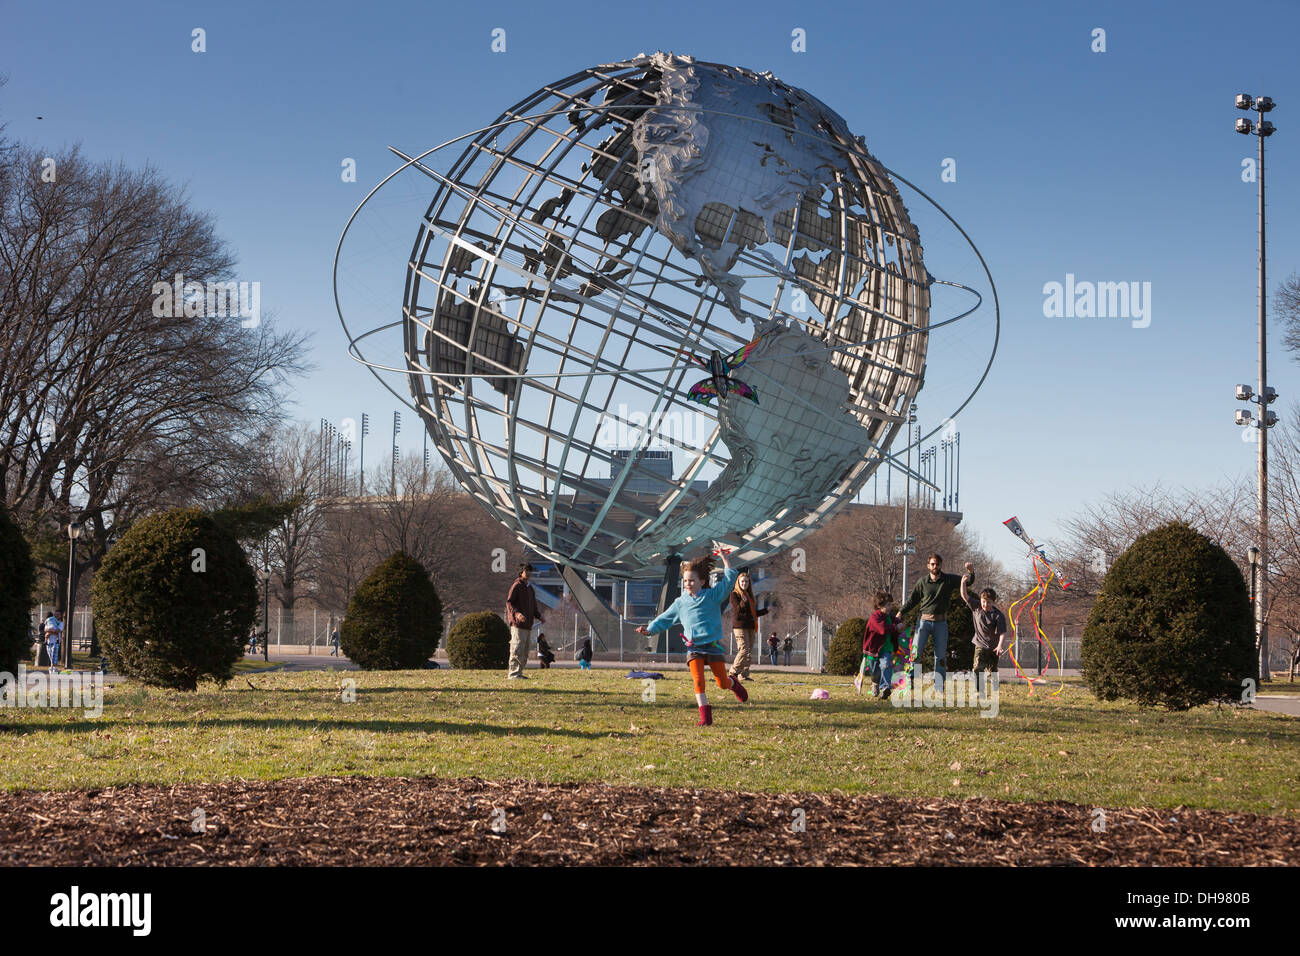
75	529
1252	555
1261	129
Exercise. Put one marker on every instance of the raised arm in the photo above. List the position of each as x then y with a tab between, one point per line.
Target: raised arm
664	621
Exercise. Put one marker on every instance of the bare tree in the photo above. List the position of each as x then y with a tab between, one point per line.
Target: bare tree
289	473
835	571
114	402
1286	305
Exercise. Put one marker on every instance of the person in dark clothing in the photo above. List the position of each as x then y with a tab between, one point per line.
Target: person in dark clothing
745	613
772	645
932	596
787	646
584	655
522	612
545	656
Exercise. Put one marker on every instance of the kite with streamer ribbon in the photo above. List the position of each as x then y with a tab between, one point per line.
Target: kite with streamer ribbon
1044	574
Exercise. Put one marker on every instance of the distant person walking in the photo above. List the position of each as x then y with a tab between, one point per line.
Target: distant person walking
584	655
772	645
252	642
53	639
334	643
788	646
745	613
932	596
522	614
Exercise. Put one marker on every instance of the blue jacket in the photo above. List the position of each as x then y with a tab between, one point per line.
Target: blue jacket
699	616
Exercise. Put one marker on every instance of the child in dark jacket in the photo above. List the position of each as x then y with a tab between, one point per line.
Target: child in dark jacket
881	641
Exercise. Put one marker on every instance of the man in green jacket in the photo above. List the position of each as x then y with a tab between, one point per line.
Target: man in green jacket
931	597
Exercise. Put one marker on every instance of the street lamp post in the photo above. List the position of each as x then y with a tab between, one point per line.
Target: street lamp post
75	529
1262	129
266	613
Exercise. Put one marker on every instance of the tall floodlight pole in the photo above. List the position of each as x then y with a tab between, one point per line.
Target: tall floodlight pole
948	479
321	444
905	546
956	467
329	458
397	427
1266	396
365	430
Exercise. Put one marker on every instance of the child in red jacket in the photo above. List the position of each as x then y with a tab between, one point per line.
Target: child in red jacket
879	643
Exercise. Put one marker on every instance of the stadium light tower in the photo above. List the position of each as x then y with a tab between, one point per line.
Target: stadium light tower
1262	129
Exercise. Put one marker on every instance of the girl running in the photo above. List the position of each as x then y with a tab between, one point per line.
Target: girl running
699	611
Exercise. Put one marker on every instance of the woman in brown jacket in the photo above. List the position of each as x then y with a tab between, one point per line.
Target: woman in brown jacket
745	613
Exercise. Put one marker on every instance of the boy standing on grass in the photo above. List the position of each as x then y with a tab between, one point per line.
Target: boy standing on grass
990	632
699	611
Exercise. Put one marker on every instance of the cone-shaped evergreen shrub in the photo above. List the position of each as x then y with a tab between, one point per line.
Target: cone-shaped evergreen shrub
845	652
17	575
394	621
479	642
1172	624
174	600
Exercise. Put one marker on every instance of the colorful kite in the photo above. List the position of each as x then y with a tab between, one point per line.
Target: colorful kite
1044	574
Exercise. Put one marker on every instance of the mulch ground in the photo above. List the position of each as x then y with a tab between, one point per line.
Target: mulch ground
402	821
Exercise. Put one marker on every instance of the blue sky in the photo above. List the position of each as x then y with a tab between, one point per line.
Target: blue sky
1114	166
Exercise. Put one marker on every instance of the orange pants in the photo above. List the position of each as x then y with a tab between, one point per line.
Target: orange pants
719	668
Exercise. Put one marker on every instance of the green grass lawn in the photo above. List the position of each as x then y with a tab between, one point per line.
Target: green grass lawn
567	725
1280	686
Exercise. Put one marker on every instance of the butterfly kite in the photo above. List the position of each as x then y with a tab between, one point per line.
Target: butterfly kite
719	384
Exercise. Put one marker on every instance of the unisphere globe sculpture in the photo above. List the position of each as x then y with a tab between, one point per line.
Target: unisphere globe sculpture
610	232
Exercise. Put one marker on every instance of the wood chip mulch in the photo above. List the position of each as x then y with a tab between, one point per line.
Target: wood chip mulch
429	821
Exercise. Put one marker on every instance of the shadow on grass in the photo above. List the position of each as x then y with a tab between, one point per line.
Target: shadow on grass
315	726
425	688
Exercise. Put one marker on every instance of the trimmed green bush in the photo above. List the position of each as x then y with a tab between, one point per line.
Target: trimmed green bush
845	653
1172	625
174	601
394	621
961	628
479	642
17	576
